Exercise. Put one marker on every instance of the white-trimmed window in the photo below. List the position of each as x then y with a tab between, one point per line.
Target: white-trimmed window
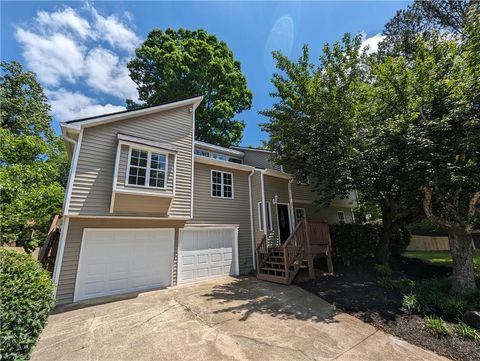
222	184
300	214
269	216
147	168
341	217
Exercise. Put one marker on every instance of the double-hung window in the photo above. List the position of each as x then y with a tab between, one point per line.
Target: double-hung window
300	214
147	169
341	217
222	184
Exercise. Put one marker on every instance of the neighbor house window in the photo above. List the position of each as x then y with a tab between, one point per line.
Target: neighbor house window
147	169
300	214
341	217
222	184
218	156
269	216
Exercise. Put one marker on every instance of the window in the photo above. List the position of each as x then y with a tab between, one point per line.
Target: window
222	184
269	216
341	217
147	169
300	214
218	156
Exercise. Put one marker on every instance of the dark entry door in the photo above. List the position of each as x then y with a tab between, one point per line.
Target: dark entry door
283	222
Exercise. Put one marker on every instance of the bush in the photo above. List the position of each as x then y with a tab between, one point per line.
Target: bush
465	331
26	297
353	243
383	270
410	303
437	326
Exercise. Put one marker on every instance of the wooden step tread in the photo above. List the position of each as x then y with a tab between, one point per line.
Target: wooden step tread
273	269
275	262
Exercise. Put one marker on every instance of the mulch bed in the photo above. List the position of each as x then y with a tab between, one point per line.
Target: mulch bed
355	291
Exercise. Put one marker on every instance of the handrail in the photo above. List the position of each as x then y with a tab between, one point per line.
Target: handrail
262	253
294	245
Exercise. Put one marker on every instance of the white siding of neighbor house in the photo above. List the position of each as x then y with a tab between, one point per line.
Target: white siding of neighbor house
227	211
92	185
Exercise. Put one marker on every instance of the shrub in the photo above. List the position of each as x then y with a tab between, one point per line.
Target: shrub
437	326
26	297
410	303
352	242
465	331
383	270
454	307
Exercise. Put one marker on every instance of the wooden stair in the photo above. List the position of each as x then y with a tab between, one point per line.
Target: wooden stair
273	269
48	252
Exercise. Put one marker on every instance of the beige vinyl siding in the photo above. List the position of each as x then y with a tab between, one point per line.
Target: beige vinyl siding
258	159
212	210
92	185
257	197
302	192
141	205
73	241
326	214
123	166
275	186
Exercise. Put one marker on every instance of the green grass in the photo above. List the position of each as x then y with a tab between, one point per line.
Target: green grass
442	258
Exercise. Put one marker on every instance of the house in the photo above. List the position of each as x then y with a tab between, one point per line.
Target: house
147	206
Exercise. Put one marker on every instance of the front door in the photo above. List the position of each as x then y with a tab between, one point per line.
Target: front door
283	222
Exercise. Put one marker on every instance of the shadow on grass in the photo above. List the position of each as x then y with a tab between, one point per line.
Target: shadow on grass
248	296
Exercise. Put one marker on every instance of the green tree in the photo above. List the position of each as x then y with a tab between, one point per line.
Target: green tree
444	147
176	64
33	162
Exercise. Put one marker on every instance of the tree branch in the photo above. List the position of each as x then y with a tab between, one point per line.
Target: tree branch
427	207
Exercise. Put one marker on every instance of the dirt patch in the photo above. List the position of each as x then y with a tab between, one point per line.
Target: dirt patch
355	291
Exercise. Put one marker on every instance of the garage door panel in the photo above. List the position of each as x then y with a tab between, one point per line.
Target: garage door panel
205	254
126	260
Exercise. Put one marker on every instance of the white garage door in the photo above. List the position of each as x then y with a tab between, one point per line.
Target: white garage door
123	260
206	253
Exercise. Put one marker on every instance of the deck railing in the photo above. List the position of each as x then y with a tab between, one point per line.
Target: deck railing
262	252
295	244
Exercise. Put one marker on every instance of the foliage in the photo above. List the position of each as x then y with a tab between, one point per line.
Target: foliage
383	270
468	332
177	64
353	243
425	227
311	121
27	297
33	161
437	326
410	303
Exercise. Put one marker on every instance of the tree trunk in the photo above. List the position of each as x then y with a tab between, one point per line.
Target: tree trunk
382	252
462	254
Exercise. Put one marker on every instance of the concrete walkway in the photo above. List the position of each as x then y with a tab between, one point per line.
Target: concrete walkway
227	319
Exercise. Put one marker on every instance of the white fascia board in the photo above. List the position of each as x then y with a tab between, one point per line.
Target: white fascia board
278	174
217	148
195	102
222	163
252	149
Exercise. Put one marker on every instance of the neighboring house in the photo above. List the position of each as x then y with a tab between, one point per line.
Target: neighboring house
147	206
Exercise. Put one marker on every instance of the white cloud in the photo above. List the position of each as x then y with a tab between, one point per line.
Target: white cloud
116	33
67	19
81	48
372	43
53	57
105	72
67	105
281	38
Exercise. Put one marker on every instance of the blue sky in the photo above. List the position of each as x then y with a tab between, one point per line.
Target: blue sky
79	50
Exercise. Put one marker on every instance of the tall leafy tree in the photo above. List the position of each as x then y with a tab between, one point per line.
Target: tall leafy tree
33	162
444	147
176	64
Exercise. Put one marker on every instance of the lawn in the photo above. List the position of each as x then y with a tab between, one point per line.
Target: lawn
443	258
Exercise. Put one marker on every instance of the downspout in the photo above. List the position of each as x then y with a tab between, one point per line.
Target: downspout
251	218
263	202
292	211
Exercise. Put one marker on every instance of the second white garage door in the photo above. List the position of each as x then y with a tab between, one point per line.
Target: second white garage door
207	253
114	261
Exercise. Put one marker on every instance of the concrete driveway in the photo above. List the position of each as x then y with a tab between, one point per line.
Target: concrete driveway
226	319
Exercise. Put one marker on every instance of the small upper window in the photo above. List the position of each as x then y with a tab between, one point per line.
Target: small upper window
341	217
222	184
300	214
147	169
